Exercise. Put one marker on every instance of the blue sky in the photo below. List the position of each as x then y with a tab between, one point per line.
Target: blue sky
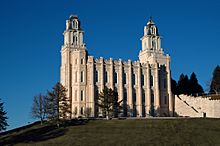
31	39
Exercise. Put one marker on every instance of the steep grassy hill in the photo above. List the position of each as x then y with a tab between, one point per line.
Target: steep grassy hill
119	132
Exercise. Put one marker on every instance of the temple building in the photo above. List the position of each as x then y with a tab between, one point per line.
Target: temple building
143	85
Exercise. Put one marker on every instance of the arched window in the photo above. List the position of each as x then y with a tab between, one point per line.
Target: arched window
75	24
152	30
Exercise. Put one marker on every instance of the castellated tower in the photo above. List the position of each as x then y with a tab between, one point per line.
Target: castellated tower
143	85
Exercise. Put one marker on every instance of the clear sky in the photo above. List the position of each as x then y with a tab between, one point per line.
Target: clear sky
31	39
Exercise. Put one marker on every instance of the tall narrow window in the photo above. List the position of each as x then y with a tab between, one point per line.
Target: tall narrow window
124	78
134	79
106	76
82	61
81	111
116	77
152	30
143	96
96	76
143	103
76	41
82	95
151	81
76	76
125	110
82	76
142	80
75	95
134	103
75	25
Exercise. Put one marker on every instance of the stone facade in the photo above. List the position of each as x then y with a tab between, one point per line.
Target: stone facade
143	85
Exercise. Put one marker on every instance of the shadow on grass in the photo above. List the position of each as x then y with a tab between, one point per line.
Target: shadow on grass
37	134
34	135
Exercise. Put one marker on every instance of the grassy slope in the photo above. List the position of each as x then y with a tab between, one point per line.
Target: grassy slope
122	132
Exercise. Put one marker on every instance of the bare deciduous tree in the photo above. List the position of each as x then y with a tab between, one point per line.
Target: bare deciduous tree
38	107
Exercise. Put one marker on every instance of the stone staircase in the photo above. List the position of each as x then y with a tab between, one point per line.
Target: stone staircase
186	108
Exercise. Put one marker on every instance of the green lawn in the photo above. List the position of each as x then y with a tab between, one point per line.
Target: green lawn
122	132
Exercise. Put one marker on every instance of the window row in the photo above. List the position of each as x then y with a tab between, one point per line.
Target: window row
82	61
82	76
82	95
80	112
125	79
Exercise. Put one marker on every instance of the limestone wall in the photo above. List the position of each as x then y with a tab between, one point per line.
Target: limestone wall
196	106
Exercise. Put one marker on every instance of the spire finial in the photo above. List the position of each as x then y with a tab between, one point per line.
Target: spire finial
73	17
150	21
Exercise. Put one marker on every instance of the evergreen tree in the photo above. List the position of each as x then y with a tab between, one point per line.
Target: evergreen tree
58	105
116	104
51	106
174	87
3	117
183	84
38	107
108	102
215	83
194	86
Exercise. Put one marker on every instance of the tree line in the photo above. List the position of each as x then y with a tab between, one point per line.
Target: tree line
185	85
191	86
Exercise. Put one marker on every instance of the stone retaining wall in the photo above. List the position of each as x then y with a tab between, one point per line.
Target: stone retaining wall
196	106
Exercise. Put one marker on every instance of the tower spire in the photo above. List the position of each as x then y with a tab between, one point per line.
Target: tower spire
73	34
151	41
